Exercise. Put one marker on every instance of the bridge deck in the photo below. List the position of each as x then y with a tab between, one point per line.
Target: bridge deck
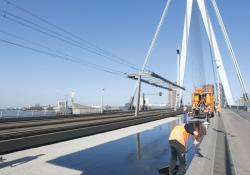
225	149
20	135
140	149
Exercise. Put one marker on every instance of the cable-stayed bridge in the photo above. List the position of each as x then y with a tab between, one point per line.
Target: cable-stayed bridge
132	141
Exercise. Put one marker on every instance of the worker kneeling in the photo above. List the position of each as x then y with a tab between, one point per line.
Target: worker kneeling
178	140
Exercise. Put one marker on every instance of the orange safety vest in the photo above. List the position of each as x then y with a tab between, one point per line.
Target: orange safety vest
218	109
179	134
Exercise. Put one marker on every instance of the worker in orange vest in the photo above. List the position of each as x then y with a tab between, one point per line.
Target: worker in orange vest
218	109
178	142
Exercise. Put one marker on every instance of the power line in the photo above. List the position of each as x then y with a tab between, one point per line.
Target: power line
89	46
42	30
64	31
32	42
54	36
53	50
85	63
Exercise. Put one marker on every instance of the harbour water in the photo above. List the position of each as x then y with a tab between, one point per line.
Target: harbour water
25	113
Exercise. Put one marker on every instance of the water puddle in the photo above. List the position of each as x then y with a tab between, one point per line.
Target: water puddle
141	154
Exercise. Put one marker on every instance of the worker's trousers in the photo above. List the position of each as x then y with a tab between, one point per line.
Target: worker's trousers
177	152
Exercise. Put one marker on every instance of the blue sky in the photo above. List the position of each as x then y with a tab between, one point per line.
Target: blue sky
122	27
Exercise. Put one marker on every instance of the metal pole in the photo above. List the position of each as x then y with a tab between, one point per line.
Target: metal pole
66	105
102	104
178	79
137	108
238	104
102	101
143	101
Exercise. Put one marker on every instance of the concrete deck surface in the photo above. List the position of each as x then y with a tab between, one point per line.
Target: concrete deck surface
39	161
238	131
225	148
204	162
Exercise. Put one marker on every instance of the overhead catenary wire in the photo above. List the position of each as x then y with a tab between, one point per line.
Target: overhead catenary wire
42	30
73	40
47	48
67	32
31	42
84	42
48	34
45	33
84	63
69	40
57	52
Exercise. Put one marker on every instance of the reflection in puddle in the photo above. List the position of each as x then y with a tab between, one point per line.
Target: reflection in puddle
140	154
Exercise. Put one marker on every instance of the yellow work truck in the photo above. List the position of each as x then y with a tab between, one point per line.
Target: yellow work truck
203	101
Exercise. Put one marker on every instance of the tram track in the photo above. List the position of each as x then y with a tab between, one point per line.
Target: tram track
32	134
72	119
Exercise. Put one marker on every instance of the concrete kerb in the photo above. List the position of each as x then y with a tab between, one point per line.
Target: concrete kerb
232	151
203	162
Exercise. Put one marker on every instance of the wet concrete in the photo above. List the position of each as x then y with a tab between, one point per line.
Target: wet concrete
141	154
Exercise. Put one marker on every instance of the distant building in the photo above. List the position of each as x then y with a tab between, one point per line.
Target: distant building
241	102
144	102
49	107
245	96
62	108
82	109
172	96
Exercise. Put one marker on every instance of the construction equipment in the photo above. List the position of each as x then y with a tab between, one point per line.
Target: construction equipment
203	101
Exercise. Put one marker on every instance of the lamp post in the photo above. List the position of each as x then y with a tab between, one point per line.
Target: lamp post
137	107
102	100
66	104
177	103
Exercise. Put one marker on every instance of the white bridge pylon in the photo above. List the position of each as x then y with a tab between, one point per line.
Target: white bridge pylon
213	44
